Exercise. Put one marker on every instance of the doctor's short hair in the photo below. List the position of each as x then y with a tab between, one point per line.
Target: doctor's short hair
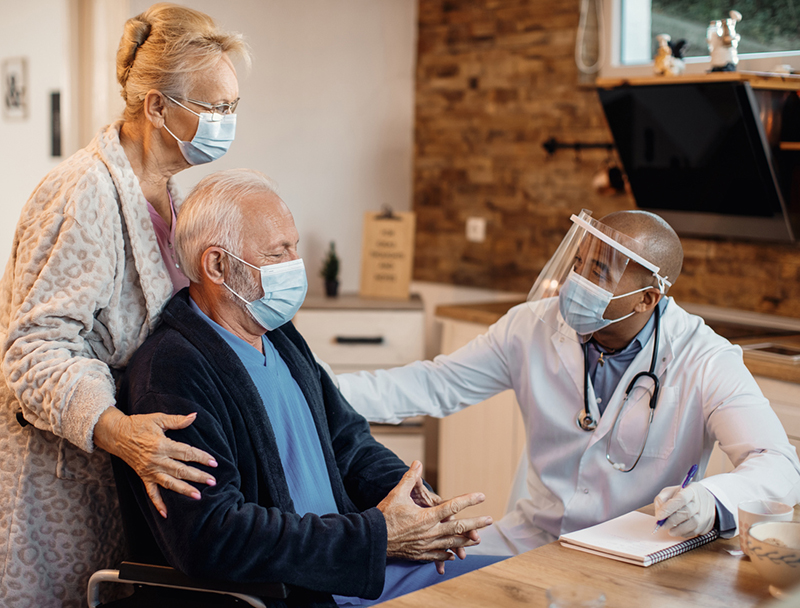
211	216
660	243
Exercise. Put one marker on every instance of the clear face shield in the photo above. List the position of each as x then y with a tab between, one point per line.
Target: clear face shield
576	286
572	294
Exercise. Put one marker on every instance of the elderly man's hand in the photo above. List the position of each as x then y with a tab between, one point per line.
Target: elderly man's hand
140	441
427	532
423	497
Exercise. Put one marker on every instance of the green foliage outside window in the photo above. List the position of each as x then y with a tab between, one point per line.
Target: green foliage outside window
767	25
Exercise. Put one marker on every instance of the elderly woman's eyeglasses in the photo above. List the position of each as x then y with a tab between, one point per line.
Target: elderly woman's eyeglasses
220	108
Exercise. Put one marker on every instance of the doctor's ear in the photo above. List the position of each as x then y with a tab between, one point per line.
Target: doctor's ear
214	264
650	298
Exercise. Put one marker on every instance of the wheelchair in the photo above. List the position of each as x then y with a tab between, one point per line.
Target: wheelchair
152	585
157	585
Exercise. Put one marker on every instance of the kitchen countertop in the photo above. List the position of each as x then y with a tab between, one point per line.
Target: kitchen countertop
487	313
484	313
777	370
351	301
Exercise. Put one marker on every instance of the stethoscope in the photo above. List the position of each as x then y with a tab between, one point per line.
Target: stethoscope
588	422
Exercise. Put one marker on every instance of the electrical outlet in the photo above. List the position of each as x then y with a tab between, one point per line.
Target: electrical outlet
476	229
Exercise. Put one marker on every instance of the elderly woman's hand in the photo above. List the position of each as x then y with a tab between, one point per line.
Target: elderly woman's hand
140	441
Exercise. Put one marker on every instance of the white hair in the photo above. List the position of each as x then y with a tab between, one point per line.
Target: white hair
212	217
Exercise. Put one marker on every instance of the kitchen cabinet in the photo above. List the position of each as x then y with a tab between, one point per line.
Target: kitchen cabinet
352	334
784	397
779	381
479	447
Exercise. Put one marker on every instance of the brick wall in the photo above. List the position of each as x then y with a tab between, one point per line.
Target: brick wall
495	79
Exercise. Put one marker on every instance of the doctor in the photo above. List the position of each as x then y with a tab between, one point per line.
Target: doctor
621	392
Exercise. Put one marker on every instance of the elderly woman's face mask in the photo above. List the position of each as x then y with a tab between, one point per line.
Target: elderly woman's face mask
215	133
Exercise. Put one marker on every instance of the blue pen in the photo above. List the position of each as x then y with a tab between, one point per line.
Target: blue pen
689	476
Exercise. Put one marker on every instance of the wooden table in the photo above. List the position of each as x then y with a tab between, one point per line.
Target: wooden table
707	577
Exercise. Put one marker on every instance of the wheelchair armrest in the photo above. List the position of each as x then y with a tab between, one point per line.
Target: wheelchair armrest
164	575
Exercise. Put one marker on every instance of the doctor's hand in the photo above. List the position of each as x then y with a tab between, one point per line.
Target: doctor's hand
427	533
689	512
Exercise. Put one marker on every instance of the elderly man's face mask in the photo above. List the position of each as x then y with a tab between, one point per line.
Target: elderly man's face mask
584	274
285	286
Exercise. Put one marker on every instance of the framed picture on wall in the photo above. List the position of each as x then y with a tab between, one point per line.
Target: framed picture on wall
15	88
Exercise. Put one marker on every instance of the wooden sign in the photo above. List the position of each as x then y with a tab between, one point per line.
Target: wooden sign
387	255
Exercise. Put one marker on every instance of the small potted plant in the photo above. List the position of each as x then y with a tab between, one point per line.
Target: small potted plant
330	272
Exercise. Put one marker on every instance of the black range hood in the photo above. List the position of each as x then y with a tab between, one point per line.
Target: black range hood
706	156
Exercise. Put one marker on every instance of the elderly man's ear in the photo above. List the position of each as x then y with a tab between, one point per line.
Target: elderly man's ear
213	264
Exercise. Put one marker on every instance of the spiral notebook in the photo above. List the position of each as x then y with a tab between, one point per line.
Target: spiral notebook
629	538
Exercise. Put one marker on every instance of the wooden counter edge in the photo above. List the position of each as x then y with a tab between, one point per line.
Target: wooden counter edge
758	80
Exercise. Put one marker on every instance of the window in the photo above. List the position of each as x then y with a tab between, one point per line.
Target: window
769	30
769	25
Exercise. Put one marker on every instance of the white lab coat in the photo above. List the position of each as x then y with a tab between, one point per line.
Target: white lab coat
707	395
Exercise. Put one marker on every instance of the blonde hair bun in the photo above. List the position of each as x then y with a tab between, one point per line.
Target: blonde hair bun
134	36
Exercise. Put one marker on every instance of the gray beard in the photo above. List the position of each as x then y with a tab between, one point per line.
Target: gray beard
242	282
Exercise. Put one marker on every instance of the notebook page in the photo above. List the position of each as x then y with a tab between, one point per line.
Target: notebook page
630	535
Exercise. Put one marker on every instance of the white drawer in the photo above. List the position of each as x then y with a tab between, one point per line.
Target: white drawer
363	339
407	447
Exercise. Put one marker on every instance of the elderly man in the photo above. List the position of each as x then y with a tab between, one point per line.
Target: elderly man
303	494
621	393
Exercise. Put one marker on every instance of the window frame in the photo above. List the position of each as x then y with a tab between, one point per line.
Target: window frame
611	36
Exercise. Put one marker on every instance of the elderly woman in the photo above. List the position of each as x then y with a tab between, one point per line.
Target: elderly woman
90	270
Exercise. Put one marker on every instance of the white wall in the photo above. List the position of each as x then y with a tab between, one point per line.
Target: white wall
326	111
39	31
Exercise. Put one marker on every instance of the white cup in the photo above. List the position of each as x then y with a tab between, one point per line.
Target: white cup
752	511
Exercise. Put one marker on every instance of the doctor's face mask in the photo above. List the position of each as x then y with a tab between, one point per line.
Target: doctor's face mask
578	283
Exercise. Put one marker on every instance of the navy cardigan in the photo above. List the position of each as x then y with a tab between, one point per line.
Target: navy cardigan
245	528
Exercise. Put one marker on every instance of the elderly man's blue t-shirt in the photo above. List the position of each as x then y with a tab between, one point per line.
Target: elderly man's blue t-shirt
295	433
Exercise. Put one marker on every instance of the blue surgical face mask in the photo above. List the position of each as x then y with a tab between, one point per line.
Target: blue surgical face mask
582	304
215	133
285	286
